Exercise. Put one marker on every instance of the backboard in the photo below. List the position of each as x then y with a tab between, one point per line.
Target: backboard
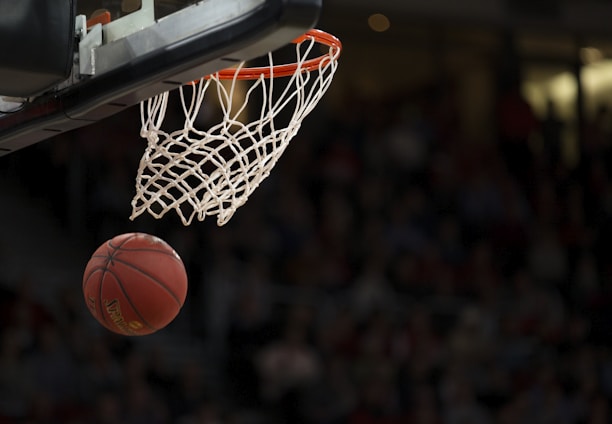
127	51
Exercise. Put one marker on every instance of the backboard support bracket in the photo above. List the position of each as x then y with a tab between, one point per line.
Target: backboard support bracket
91	40
199	40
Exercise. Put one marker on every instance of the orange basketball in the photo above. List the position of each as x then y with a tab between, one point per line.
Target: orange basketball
135	284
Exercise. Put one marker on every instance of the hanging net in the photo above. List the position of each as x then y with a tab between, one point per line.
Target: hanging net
201	172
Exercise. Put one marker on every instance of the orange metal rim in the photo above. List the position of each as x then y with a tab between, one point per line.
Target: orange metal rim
289	69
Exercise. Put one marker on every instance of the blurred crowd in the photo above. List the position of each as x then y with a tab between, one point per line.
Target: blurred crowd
389	271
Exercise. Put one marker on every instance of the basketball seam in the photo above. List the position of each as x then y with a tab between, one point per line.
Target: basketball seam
104	268
145	322
141	249
130	237
109	254
100	296
171	255
155	280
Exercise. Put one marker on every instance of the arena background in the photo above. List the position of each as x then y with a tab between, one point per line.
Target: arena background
433	247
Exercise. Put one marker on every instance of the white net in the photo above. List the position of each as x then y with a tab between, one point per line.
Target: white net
197	172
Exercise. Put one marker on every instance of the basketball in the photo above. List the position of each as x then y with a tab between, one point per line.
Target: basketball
135	284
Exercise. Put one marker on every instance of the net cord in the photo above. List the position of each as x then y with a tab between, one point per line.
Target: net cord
174	170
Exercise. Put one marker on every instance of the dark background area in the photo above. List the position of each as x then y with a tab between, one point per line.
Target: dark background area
433	246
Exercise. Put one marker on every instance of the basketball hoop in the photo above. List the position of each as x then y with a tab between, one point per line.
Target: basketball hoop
199	173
